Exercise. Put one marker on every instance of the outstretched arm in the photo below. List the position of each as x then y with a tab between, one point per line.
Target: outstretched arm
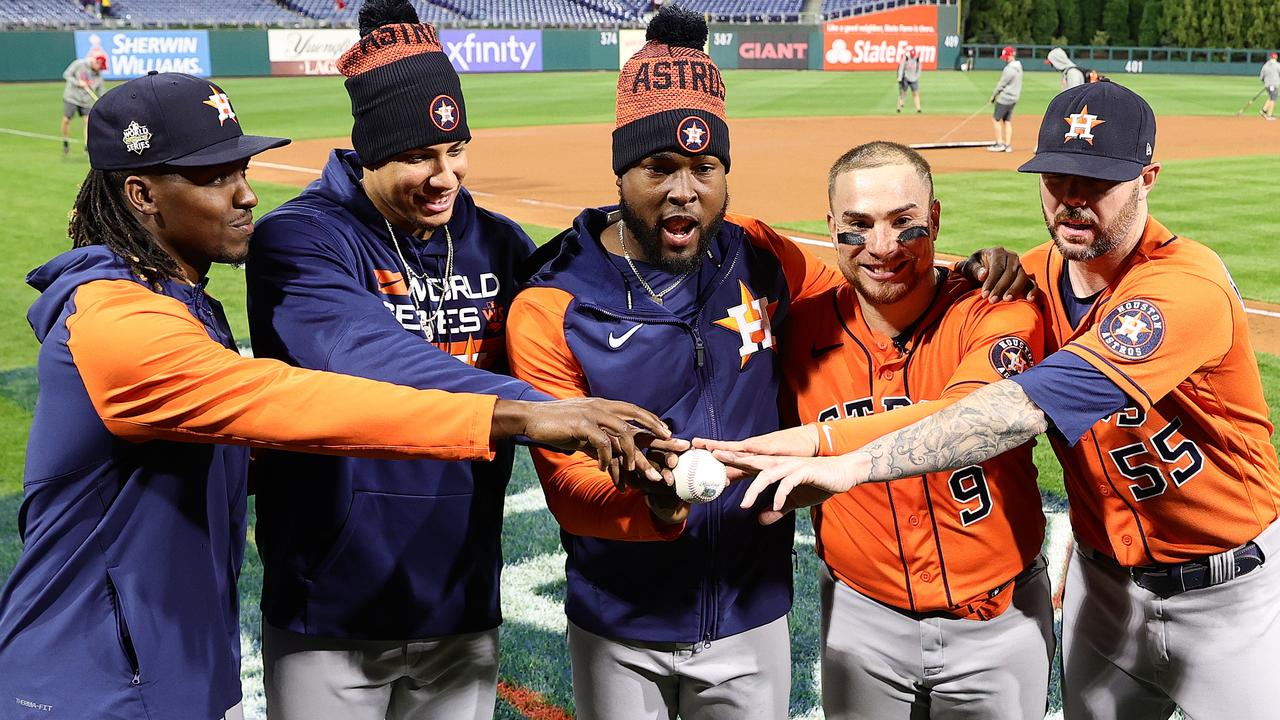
989	421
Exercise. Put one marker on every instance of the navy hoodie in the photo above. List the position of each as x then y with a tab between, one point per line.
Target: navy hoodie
375	549
585	326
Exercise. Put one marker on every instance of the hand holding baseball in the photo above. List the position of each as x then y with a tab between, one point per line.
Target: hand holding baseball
699	476
801	481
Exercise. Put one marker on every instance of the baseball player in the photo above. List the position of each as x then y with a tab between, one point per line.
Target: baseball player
909	78
1072	75
84	85
933	592
385	268
124	601
1158	418
1270	77
1005	96
668	301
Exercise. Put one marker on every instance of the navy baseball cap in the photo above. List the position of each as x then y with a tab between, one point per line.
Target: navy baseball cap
1097	130
168	119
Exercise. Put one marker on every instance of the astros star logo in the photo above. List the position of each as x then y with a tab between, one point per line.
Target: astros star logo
1133	330
219	101
1081	126
1014	361
445	113
1132	327
693	134
752	321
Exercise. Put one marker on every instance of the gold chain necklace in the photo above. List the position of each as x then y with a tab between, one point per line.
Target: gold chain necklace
657	296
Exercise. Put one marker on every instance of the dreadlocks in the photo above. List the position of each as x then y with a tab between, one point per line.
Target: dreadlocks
101	216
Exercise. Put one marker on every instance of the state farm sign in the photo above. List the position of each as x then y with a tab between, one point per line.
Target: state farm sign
773	49
877	41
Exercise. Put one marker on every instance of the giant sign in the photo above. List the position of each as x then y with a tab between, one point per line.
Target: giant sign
473	51
135	53
877	41
308	52
785	49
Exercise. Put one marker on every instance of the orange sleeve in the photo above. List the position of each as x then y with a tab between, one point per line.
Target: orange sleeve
580	496
807	275
1156	331
1001	341
153	373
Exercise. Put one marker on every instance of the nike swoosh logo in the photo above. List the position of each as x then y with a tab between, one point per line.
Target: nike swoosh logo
617	342
820	351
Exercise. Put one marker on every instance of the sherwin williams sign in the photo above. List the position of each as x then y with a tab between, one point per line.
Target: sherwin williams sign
479	51
877	41
308	52
135	53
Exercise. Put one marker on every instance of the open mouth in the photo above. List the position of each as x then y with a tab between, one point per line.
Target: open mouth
679	231
885	271
435	205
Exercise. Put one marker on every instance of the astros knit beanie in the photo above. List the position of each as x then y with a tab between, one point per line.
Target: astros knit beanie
670	94
404	93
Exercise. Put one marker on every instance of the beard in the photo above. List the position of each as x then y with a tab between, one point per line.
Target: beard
878	293
1105	239
649	237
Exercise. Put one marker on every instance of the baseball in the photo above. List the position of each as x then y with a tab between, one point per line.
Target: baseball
699	476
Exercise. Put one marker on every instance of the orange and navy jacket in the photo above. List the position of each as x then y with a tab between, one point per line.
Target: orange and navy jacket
124	603
583	328
947	541
1187	469
327	291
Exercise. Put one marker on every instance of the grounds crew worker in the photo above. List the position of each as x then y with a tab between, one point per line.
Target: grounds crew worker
1270	77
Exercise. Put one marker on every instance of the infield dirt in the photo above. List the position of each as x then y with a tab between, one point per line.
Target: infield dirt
546	174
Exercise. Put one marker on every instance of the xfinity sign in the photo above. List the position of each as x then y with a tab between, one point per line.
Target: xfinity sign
472	51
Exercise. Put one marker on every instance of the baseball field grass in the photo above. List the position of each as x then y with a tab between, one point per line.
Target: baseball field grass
1226	202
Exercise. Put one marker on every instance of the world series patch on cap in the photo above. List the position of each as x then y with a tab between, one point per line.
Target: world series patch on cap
1097	130
169	119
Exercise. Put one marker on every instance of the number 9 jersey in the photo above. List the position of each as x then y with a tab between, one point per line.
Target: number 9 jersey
948	541
1187	469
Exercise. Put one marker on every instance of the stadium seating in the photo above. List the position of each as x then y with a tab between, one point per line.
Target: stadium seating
747	10
203	12
43	13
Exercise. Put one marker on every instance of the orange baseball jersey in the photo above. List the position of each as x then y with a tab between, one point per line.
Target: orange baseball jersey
947	540
1188	469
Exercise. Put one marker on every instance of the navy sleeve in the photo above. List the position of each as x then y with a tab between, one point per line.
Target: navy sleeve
307	308
1071	393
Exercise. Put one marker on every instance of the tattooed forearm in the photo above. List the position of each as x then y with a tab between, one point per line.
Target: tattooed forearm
989	421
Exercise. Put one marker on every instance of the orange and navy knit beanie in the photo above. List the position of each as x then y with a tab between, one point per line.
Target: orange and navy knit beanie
404	93
670	94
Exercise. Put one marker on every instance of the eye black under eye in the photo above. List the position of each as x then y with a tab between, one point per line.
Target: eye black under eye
913	233
851	238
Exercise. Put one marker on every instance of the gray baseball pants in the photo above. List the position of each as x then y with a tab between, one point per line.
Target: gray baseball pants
318	678
742	677
882	663
1127	654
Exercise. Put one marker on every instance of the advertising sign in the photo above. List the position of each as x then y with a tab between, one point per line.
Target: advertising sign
767	50
134	53
308	52
477	51
877	41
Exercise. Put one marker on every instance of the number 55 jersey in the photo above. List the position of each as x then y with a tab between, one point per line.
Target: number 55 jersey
948	541
1186	469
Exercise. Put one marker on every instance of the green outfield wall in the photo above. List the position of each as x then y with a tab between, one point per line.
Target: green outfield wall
867	42
1121	60
35	55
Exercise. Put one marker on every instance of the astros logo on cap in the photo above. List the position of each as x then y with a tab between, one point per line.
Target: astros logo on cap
445	113
1082	125
1133	330
1010	356
220	102
693	134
